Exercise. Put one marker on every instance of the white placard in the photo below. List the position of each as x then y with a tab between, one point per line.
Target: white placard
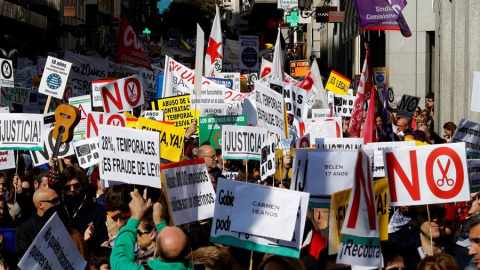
234	76
129	155
343	105
21	131
54	78
267	163
94	119
212	109
84	104
321	127
259	209
427	174
87	152
302	142
239	142
319	113
153	115
270	110
295	101
339	143
97	100
6	73
52	248
7	159
189	190
48	142
377	148
123	94
4	110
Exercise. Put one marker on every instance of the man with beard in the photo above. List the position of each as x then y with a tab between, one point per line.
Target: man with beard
84	214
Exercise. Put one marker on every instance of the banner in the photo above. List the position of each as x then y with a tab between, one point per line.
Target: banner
170	138
41	157
376	15
123	94
248	53
222	224
337	83
267	163
242	142
211	128
129	156
271	110
16	95
378	166
406	107
52	248
99	118
21	131
439	171
234	77
468	132
54	78
84	104
87	152
7	159
189	191
473	166
129	49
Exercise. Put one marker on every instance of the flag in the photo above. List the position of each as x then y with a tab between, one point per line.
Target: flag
129	49
386	134
365	83
317	81
398	6
278	63
370	130
214	55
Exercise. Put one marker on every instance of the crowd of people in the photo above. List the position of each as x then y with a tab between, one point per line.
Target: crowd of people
125	226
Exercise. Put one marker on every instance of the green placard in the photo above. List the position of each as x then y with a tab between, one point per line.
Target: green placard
211	128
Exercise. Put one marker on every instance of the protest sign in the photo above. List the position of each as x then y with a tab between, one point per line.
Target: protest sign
87	152
174	104
230	175
407	106
271	110
212	109
41	157
267	163
211	128
232	96
16	95
320	113
377	148
302	142
439	171
7	159
21	131
6	73
337	83
473	166
222	221
338	143
129	156
343	105
182	119
299	169
321	127
99	118
259	209
54	78
189	191
153	115
123	94
170	138
84	104
242	142
468	132
295	101
248	52
332	171
338	209
234	77
97	100
299	68
52	248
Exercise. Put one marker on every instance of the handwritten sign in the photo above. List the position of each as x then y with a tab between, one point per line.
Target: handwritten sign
17	95
84	104
21	131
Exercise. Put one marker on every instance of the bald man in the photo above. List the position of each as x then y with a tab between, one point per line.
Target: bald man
211	160
171	246
402	125
44	199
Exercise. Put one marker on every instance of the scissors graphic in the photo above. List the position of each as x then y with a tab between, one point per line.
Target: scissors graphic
449	181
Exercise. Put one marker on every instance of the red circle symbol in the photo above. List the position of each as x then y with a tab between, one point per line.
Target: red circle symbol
217	137
459	175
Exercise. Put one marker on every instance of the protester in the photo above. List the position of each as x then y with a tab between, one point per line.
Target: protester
211	160
402	126
100	258
449	128
40	178
280	263
439	261
432	137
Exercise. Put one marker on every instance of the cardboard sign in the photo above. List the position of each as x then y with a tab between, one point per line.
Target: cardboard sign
48	142
170	138
21	131
474	174
97	100
337	83
299	68
99	118
212	109
7	159
129	156
271	110
468	132
321	127
153	115
123	94
54	78
338	209
267	163
222	224
84	104
52	248
439	171
211	128
377	148
406	107
242	142
189	191
339	143
87	152
16	95
6	73
343	105
320	113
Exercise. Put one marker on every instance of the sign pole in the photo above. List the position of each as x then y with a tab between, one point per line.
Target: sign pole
47	105
246	171
430	225
198	66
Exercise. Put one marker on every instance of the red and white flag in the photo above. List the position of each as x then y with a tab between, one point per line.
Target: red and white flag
129	48
214	55
365	83
370	129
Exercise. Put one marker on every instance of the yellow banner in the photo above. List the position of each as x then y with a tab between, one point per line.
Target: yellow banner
337	83
338	210
171	138
172	104
182	119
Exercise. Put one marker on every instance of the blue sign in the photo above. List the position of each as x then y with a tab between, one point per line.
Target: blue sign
54	81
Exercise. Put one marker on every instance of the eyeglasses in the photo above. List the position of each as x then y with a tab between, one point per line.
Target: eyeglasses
53	201
68	187
140	233
214	156
438	212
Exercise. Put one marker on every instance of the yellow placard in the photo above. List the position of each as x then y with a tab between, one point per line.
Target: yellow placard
182	119
337	83
171	138
131	120
279	164
338	210
172	104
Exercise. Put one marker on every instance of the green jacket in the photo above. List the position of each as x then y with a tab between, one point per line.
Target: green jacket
122	257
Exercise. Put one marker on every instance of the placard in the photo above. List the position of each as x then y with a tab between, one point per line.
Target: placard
129	156
242	142
271	110
54	78
234	77
343	105
321	127
48	142
468	132
97	100
267	163
473	166
153	115
21	131
295	101
7	159
299	68
302	142
189	191
6	73
87	152
212	109
378	161
248	53
211	128
94	119
16	95
407	106
123	94
320	113
183	119
84	104
337	83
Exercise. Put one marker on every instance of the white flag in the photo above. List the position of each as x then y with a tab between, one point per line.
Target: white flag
278	63
214	55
